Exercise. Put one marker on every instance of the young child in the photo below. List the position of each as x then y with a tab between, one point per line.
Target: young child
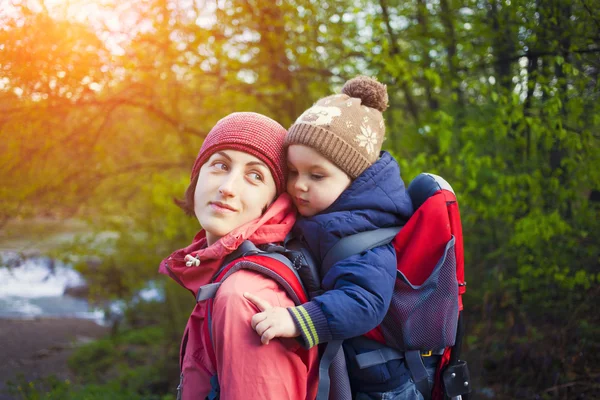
342	185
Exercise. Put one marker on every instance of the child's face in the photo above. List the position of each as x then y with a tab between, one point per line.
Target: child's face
233	188
314	182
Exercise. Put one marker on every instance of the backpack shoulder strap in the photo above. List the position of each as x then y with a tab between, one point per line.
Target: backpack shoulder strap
270	261
305	264
247	248
356	244
209	290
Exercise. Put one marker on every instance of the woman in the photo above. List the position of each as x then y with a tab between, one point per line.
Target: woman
237	193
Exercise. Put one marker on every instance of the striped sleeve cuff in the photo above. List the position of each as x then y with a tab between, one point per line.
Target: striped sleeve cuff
311	323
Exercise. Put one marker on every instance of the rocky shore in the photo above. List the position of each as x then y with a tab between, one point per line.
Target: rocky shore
41	347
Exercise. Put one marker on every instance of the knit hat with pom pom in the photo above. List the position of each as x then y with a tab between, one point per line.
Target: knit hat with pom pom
346	128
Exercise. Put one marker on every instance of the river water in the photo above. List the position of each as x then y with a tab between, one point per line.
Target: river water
34	287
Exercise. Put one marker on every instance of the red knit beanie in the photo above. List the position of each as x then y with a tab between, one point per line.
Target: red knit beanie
251	133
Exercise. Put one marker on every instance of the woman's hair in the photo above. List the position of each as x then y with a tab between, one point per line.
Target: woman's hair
187	203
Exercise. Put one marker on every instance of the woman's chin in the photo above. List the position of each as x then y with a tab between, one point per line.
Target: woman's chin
216	232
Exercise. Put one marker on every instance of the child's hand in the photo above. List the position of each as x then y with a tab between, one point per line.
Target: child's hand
271	322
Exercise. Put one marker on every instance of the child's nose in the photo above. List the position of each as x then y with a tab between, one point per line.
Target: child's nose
300	184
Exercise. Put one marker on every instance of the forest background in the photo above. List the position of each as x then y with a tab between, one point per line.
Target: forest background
104	105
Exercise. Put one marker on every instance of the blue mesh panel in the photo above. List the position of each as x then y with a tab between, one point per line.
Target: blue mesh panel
425	317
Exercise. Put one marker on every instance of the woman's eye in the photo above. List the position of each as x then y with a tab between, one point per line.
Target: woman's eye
256	176
292	173
220	165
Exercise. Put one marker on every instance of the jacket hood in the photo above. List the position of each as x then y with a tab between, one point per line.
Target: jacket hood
376	199
271	227
380	189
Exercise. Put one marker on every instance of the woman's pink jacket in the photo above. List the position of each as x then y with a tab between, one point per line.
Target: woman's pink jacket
246	369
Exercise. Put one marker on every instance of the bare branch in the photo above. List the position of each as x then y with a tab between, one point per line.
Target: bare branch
587	8
395	51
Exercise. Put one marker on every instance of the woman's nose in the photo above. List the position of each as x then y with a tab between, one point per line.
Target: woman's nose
227	187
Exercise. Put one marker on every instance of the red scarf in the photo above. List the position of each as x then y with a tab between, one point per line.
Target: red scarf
271	227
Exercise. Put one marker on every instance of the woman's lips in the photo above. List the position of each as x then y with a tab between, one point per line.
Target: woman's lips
222	208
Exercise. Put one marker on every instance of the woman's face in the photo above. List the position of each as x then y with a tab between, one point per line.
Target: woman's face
233	188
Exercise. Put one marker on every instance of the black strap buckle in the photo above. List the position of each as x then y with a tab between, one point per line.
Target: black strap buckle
457	379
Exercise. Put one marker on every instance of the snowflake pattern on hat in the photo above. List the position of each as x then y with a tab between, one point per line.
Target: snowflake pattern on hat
367	138
319	115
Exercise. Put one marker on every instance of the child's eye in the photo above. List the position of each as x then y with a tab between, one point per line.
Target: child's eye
316	177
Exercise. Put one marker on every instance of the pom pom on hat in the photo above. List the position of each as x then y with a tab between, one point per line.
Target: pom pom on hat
371	93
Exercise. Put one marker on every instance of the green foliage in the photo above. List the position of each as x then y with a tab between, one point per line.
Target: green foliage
500	98
51	388
139	358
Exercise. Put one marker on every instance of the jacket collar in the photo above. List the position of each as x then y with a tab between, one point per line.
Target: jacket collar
272	227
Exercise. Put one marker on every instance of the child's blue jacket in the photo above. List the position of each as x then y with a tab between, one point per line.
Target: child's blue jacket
358	288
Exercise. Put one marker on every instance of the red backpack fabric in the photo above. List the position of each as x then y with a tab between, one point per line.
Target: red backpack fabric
431	240
427	302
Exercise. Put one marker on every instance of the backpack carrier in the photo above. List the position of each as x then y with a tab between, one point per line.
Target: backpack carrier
425	314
